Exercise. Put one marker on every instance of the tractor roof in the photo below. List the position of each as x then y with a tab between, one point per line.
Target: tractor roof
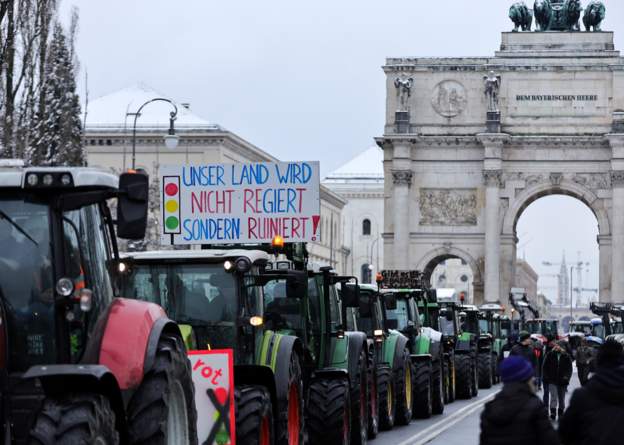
13	174
210	255
469	308
491	307
370	287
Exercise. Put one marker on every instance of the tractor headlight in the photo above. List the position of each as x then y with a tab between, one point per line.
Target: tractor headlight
32	180
64	287
48	180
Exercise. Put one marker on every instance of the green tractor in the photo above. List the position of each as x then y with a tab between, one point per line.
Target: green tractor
476	325
391	397
464	348
217	296
491	323
425	344
337	373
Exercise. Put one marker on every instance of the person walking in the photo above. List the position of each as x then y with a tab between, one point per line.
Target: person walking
584	358
556	373
516	416
596	412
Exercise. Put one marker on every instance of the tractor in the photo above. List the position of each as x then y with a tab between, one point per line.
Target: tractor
490	324
219	298
464	347
400	290
78	363
390	398
473	323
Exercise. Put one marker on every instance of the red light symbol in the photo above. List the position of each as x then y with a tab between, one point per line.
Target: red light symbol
171	189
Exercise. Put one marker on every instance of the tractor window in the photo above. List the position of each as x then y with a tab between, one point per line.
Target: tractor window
446	327
27	281
483	326
400	314
334	309
599	331
281	312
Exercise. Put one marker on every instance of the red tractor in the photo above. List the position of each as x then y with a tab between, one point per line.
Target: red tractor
78	364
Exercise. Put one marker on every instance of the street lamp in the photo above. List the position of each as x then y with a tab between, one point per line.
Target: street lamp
171	139
372	247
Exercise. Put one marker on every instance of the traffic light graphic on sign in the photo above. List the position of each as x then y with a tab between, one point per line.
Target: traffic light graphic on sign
171	205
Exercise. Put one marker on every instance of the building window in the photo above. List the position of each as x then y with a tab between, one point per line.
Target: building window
367	274
366	227
464	278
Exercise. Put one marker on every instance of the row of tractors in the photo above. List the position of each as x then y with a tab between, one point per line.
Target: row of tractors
317	357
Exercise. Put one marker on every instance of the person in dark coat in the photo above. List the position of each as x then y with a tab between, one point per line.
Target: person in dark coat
516	416
557	373
524	348
596	412
584	358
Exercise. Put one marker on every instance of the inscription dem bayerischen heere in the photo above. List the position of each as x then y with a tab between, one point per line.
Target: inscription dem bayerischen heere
556	97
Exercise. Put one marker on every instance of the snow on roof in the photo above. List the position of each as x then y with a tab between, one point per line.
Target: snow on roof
366	165
110	112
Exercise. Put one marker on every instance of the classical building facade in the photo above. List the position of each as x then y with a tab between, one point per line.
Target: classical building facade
469	143
360	182
108	141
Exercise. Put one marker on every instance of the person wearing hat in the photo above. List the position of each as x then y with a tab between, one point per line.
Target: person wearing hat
516	416
524	348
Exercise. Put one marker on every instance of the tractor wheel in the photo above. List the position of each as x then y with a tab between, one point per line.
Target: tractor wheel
423	390
486	378
439	387
475	376
452	378
77	419
373	396
359	402
464	376
403	388
329	413
162	410
254	415
290	427
385	393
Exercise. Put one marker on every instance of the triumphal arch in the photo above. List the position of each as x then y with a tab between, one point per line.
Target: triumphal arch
469	143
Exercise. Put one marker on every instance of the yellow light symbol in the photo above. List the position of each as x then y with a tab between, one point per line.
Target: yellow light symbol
171	206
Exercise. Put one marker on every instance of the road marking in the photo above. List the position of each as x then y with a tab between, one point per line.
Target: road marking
430	433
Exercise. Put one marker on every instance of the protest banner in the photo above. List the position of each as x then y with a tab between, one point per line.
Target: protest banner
240	203
213	377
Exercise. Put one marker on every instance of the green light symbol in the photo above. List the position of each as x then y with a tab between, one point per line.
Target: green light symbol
172	223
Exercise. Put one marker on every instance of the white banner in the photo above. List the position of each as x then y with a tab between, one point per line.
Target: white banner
240	203
213	377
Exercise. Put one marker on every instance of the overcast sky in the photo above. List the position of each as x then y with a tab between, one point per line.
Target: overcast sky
294	77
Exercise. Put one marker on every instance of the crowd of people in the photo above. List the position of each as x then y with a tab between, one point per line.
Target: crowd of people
595	415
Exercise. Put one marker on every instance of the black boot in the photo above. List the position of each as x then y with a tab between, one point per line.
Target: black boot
553	414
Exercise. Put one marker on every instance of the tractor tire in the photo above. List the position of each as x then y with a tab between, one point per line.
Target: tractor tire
404	388
475	376
452	378
75	420
439	387
290	426
359	402
373	396
165	401
486	378
254	415
464	376
423	390
385	394
329	412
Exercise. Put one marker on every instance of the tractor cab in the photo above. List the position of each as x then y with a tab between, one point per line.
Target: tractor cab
543	329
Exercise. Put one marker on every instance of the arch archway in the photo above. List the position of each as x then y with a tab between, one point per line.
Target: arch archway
433	258
569	188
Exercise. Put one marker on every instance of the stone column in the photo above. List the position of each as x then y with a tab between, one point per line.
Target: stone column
402	180
617	215
606	257
492	179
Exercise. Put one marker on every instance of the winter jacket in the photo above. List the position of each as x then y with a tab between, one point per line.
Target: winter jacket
596	412
584	355
528	352
516	416
557	368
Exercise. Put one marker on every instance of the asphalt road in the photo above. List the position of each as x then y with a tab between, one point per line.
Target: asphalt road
459	425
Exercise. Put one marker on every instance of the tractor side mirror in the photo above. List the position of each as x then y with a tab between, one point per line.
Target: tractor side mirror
390	301
448	314
365	307
392	324
296	284
132	205
350	294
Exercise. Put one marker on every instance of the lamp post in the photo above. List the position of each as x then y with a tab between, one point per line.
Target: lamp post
571	290
171	139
